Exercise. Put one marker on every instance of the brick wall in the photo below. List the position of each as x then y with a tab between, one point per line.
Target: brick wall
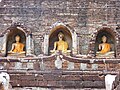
84	16
33	72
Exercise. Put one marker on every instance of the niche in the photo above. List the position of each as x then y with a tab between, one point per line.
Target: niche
53	37
100	50
11	39
8	40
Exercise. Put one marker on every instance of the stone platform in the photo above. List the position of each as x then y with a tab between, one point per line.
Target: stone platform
74	72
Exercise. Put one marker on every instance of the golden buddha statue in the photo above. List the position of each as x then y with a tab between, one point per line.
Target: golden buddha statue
104	48
60	45
17	47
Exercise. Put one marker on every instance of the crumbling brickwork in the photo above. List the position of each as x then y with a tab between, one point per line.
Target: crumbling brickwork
84	16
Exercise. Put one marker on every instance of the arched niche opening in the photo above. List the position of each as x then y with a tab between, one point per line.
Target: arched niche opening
53	37
107	32
7	38
14	31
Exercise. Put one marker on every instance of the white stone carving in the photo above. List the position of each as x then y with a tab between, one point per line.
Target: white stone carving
4	81
109	81
58	63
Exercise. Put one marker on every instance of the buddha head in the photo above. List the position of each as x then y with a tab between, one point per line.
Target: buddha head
60	36
104	39
17	38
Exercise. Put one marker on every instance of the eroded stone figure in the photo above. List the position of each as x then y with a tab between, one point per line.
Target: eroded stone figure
17	47
60	45
104	48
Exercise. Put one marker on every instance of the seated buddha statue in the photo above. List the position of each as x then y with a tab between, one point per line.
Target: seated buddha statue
60	45
17	47
104	49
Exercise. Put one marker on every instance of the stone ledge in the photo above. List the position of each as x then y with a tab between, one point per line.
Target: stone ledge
68	58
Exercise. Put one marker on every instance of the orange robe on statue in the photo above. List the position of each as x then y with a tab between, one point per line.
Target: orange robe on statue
105	48
62	45
18	48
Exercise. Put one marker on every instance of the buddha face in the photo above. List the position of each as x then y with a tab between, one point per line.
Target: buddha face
104	39
60	36
17	38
